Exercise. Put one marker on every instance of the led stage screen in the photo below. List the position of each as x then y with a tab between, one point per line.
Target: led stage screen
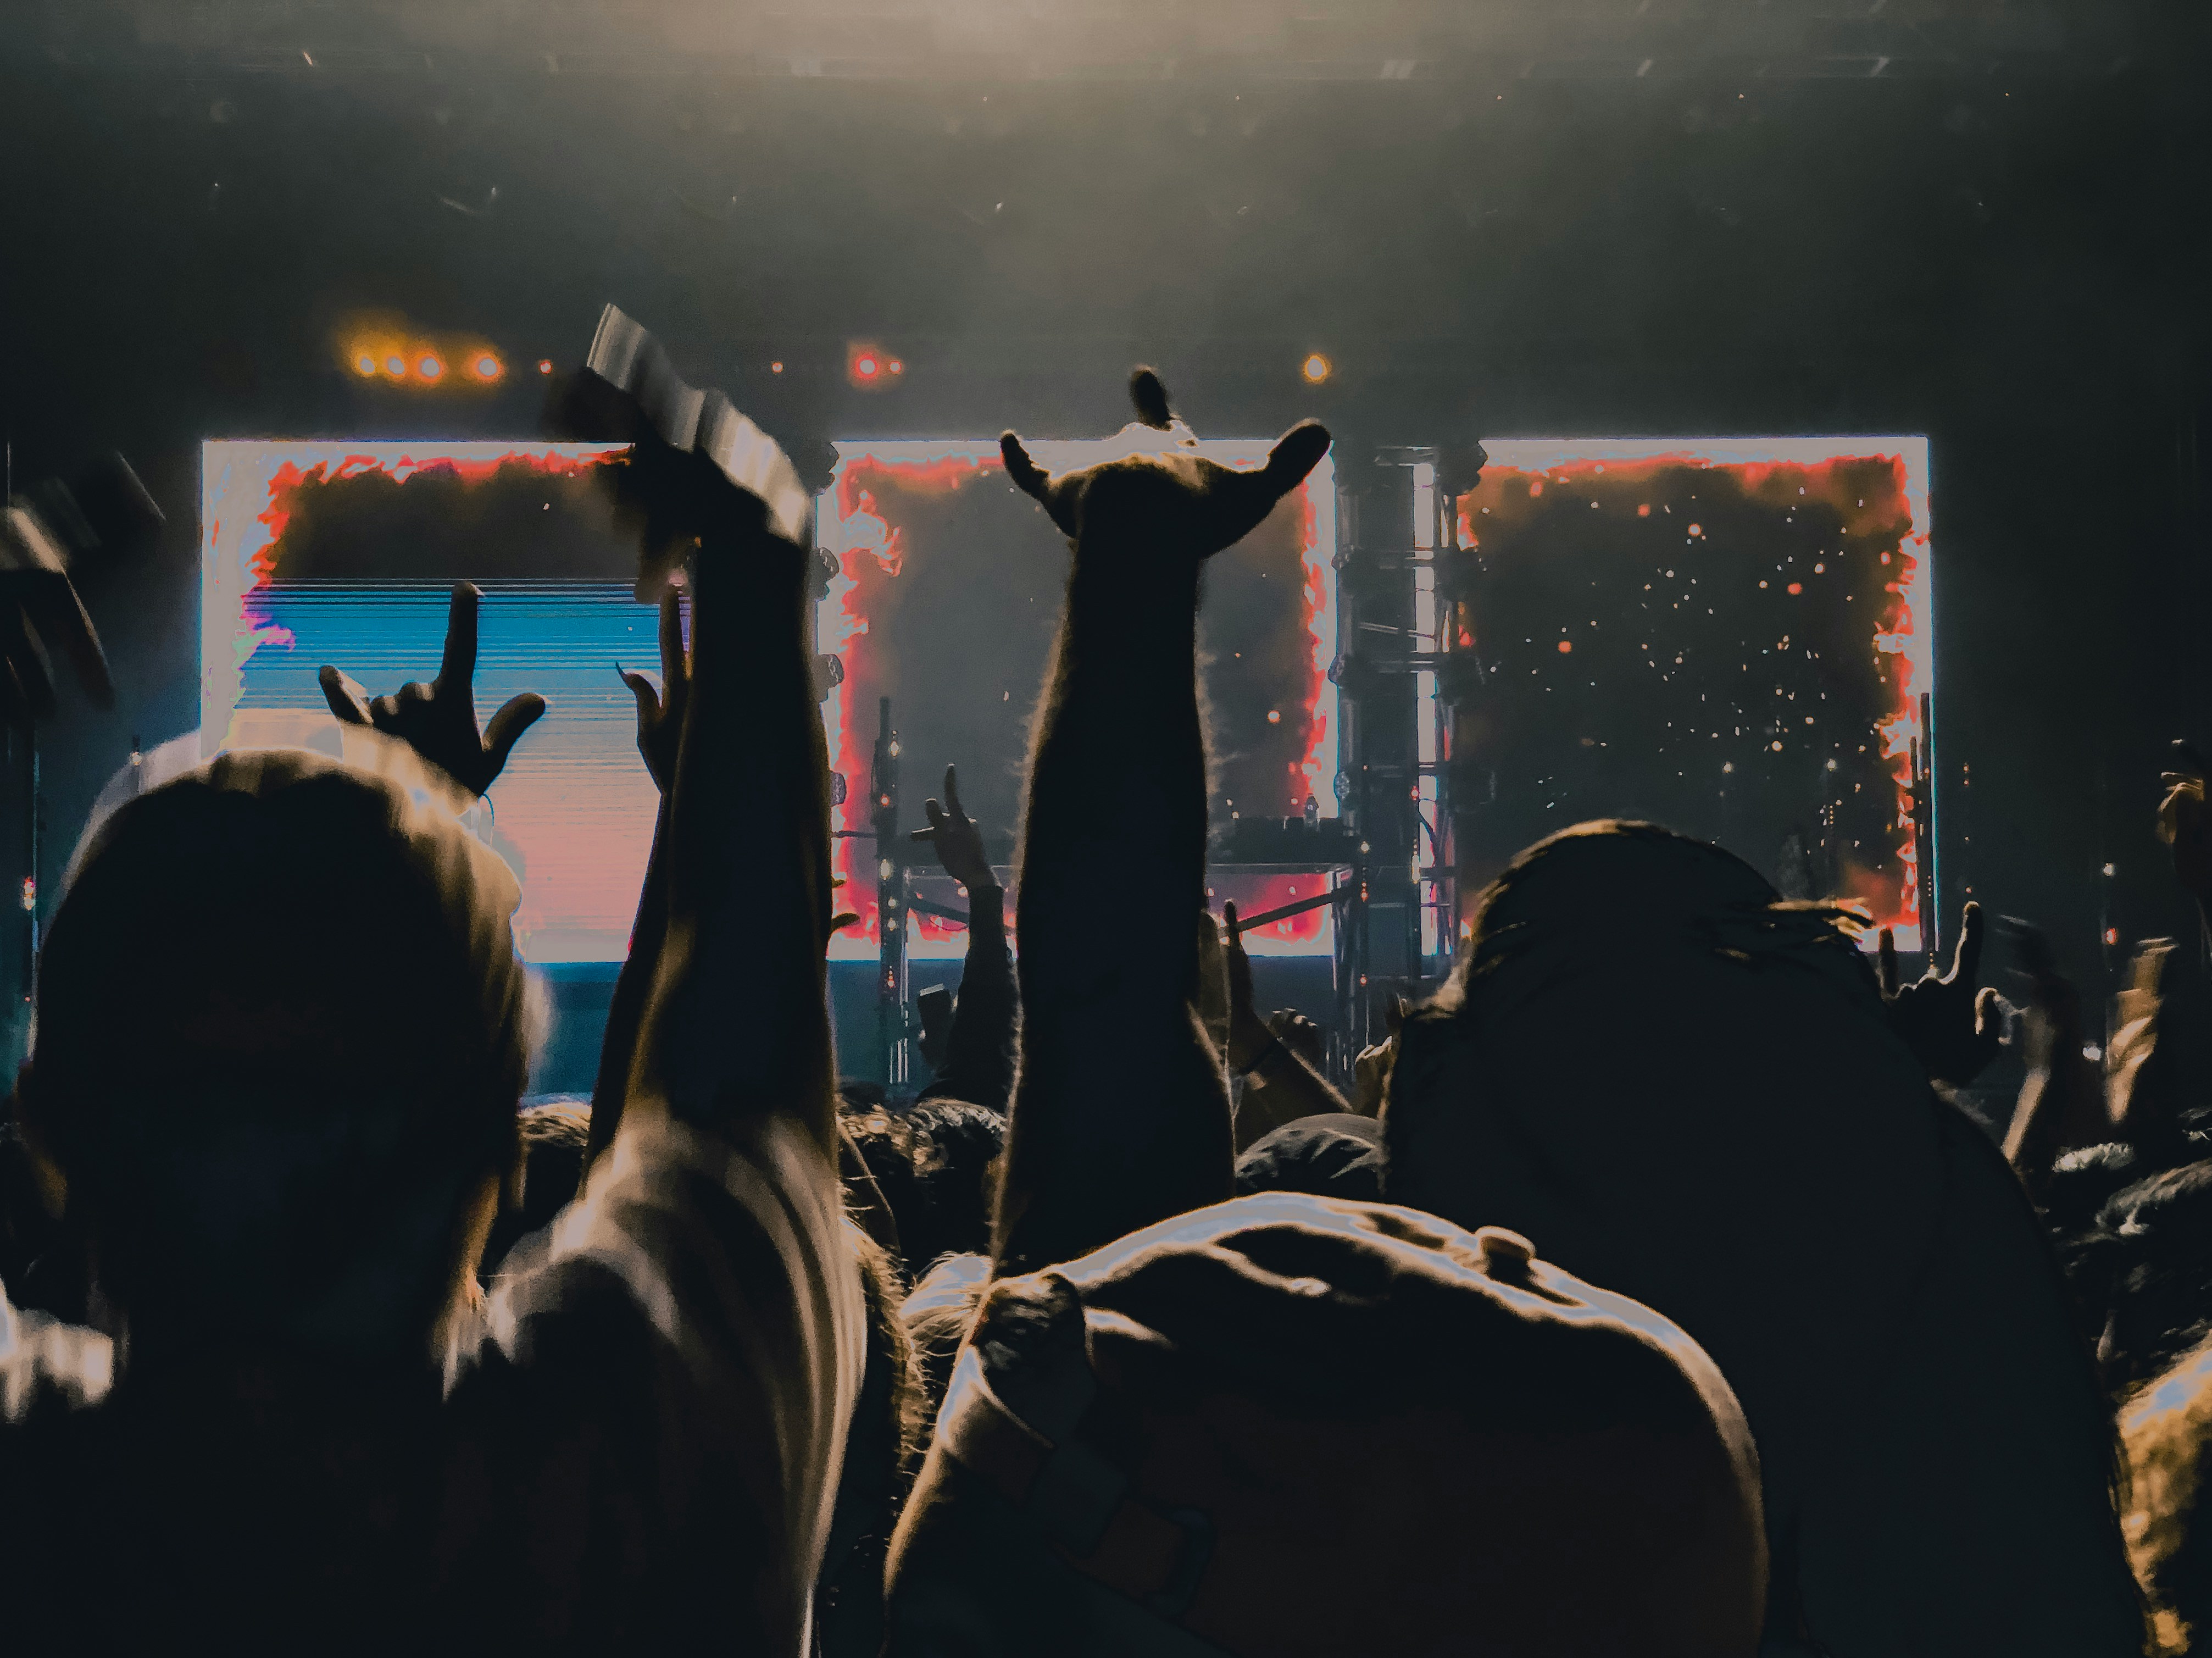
947	594
948	589
1730	636
343	552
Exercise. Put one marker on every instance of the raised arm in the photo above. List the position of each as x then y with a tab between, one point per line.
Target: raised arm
438	719
1279	1087
1121	1114
2062	1100
979	1059
735	1029
659	727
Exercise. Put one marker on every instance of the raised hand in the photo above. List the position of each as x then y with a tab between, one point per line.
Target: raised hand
660	713
1952	1029
438	721
2062	1102
1088	1158
1249	1033
959	843
1170	501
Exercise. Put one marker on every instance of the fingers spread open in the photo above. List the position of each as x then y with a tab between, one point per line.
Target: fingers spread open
349	700
1150	397
1033	481
1023	472
459	666
1296	453
1241	501
648	698
514	717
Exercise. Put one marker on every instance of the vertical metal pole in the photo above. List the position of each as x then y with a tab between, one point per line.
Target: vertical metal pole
890	905
1446	642
20	1023
1361	1017
1923	829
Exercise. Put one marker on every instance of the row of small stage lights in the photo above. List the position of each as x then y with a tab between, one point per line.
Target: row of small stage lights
864	366
429	368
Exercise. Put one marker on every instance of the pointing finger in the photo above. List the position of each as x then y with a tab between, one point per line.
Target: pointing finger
648	698
459	666
1967	959
672	665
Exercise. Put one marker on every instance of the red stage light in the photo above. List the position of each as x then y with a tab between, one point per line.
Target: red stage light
775	367
868	366
1566	646
396	367
487	367
429	368
545	365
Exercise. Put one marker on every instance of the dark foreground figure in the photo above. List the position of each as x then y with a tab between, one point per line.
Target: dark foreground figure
282	1031
1830	1396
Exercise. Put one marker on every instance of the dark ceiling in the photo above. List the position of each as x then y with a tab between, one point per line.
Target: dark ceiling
1985	221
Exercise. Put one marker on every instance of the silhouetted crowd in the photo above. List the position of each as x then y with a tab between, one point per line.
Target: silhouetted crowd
1653	1295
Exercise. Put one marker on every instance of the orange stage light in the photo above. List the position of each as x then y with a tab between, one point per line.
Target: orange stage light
868	366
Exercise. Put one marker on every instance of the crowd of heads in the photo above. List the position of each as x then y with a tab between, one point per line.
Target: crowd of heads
1645	1286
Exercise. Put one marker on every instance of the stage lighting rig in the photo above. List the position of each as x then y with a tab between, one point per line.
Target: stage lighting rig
870	368
388	349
